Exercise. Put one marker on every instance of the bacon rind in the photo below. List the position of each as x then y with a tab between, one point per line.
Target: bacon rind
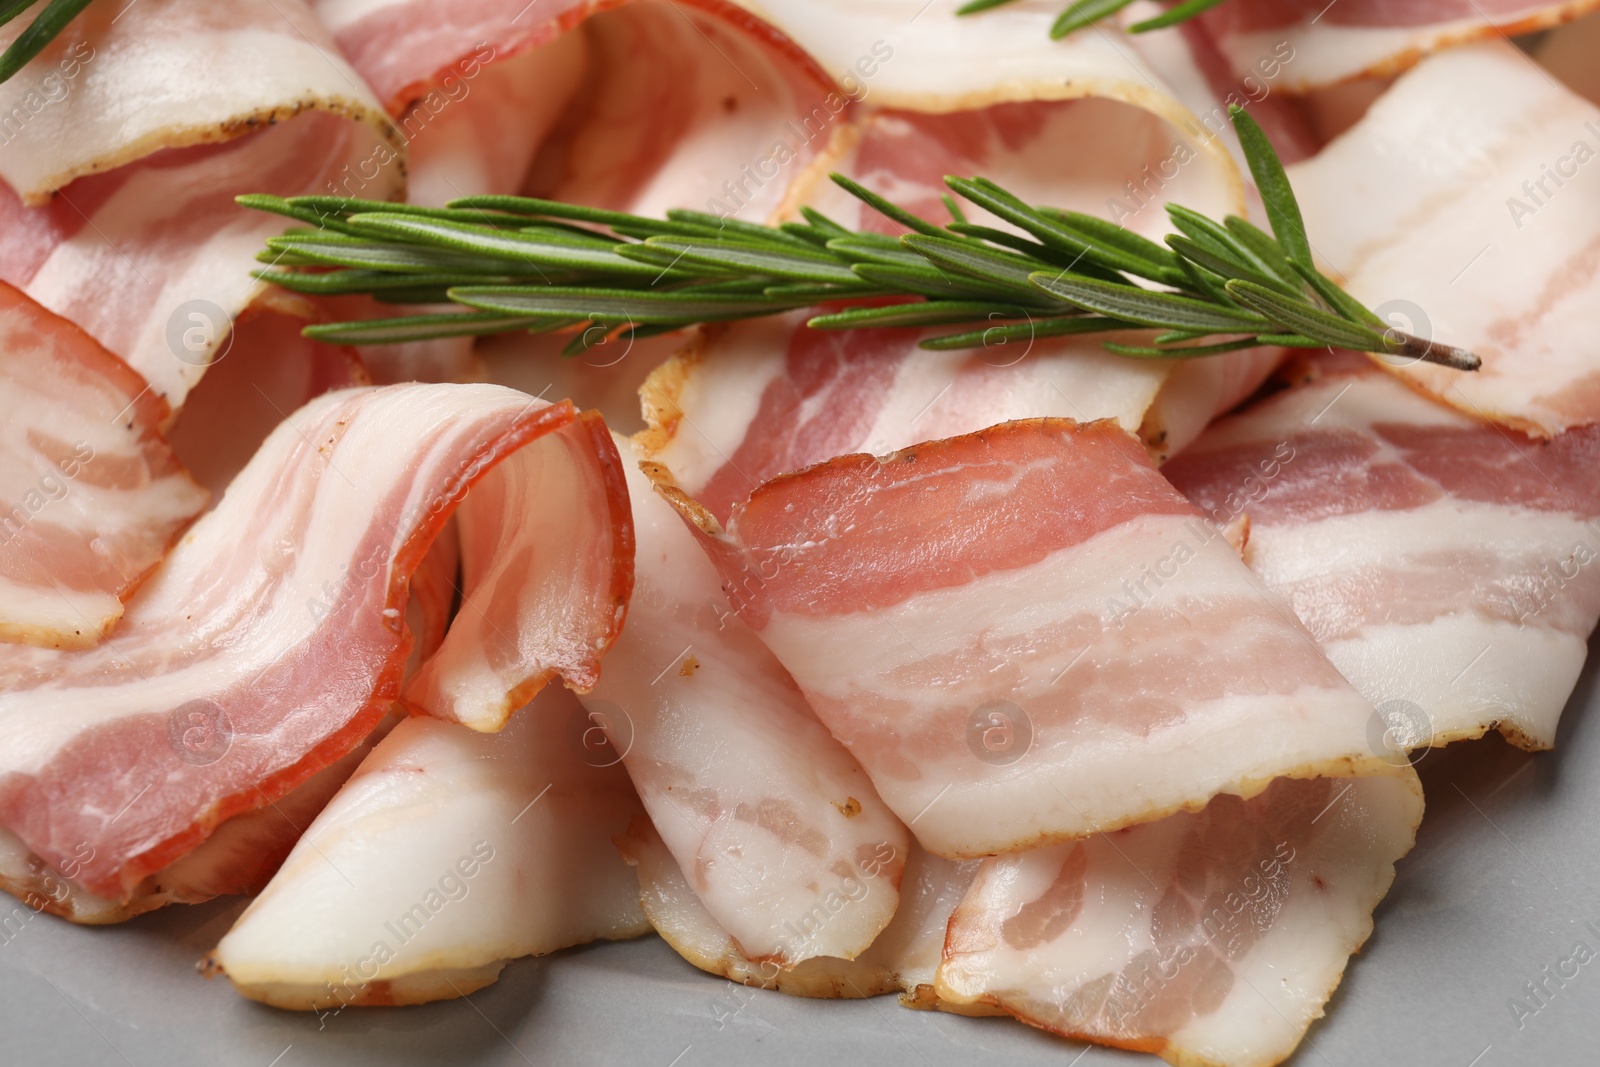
130	705
94	494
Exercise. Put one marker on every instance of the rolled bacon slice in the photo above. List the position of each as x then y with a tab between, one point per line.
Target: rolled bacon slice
546	579
273	637
1213	937
773	820
1336	42
93	494
1444	564
1025	635
1461	209
447	854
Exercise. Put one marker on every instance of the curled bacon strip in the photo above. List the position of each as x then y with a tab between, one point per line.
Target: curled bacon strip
273	637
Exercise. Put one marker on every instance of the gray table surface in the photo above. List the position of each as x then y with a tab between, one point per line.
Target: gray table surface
1503	881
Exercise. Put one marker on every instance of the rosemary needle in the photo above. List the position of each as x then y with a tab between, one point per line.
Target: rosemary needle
511	263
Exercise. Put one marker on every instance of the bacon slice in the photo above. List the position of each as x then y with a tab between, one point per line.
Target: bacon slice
240	857
446	855
94	495
903	959
1215	937
1443	563
547	578
111	81
153	259
270	640
752	400
772	818
1335	42
1423	204
1025	635
267	371
146	249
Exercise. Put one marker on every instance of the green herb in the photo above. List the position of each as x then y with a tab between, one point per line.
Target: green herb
1085	12
512	263
44	29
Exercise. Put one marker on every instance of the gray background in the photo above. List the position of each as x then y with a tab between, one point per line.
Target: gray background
1502	881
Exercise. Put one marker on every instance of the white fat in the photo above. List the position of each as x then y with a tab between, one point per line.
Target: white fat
448	850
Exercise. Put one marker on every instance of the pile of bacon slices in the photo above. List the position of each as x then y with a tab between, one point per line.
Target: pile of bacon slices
1016	681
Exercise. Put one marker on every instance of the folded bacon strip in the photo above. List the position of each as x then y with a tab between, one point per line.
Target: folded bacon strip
1025	635
1443	563
1463	199
129	174
751	400
270	641
1213	937
902	959
546	574
768	814
448	853
93	495
1348	39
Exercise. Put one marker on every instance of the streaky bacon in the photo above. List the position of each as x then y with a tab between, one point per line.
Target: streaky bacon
748	401
546	574
132	231
1445	564
271	639
93	494
1212	937
1026	635
773	820
639	106
1431	210
902	959
266	371
1333	43
448	853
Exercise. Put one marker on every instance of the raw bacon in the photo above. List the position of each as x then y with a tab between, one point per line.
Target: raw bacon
1214	937
1445	565
547	577
93	496
1025	635
446	855
749	401
270	641
784	839
146	249
901	960
1334	42
118	85
1462	208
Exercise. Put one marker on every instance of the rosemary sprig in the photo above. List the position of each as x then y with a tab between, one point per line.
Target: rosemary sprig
513	263
1083	12
44	29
